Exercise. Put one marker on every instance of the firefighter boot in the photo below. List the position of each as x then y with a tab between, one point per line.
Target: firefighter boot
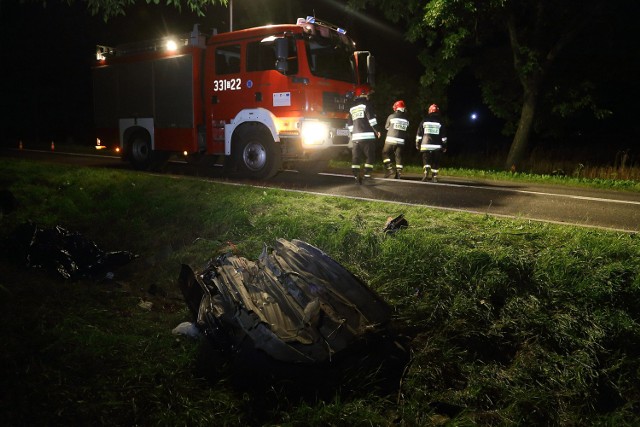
367	171
398	173
357	175
425	176
388	172
434	177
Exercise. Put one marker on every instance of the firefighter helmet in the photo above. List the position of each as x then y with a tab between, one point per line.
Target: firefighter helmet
433	108
361	91
398	105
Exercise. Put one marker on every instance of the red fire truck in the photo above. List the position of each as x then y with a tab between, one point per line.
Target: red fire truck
258	98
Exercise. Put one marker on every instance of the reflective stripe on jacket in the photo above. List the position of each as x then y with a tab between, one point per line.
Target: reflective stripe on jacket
431	133
362	121
397	126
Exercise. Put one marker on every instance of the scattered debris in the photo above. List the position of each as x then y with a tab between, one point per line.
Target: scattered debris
394	224
187	329
145	305
296	304
69	254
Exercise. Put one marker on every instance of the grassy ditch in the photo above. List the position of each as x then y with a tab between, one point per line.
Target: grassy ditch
510	322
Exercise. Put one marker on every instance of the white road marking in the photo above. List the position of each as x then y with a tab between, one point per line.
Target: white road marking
420	205
509	190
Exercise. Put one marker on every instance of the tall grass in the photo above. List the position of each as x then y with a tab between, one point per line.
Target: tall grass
581	166
509	322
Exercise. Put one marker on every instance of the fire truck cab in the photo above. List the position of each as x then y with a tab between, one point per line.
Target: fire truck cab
257	99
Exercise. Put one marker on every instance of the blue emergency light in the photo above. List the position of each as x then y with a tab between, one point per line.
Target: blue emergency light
312	20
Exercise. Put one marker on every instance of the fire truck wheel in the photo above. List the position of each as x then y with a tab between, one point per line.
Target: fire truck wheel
140	151
257	156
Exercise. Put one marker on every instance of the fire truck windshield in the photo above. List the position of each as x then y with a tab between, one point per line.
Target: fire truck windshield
330	58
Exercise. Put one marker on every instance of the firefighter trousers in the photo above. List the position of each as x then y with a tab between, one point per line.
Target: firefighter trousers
363	151
431	160
392	155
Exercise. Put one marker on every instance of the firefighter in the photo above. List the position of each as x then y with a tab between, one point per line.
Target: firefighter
396	126
363	128
431	140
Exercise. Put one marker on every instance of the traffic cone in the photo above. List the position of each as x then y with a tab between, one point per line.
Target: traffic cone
53	146
20	145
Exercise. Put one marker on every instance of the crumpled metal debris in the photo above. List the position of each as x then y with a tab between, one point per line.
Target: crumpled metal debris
295	303
395	224
66	253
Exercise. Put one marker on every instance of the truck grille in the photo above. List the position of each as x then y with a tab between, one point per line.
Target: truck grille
339	132
333	102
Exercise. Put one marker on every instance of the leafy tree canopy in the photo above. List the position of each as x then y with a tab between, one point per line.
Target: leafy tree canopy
535	60
111	8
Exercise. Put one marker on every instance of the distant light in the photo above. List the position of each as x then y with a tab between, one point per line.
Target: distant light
172	45
474	116
184	153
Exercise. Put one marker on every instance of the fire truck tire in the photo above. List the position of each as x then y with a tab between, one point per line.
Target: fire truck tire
141	155
257	155
140	152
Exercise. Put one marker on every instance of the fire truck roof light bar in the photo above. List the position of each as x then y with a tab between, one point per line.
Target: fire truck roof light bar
194	38
313	20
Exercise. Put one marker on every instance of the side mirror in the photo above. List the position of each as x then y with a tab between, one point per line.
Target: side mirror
371	70
282	55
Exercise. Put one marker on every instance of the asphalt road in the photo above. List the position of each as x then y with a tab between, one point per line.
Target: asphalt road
606	209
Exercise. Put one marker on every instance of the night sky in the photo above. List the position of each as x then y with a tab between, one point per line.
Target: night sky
48	51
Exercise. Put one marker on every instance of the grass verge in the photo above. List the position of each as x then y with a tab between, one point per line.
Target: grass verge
510	322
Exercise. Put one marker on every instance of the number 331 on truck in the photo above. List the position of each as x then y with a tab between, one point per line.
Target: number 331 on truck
256	99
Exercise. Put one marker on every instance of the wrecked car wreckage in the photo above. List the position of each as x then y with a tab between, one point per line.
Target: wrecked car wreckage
296	304
67	254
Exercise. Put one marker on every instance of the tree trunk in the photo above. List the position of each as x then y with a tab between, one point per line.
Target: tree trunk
520	144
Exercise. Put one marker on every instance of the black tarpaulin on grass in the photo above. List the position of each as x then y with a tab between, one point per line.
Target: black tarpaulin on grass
66	253
295	303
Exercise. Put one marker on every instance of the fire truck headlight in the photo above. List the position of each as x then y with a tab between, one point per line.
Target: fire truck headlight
314	133
171	45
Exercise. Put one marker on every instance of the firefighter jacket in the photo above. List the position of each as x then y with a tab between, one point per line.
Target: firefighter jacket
362	121
396	126
431	134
